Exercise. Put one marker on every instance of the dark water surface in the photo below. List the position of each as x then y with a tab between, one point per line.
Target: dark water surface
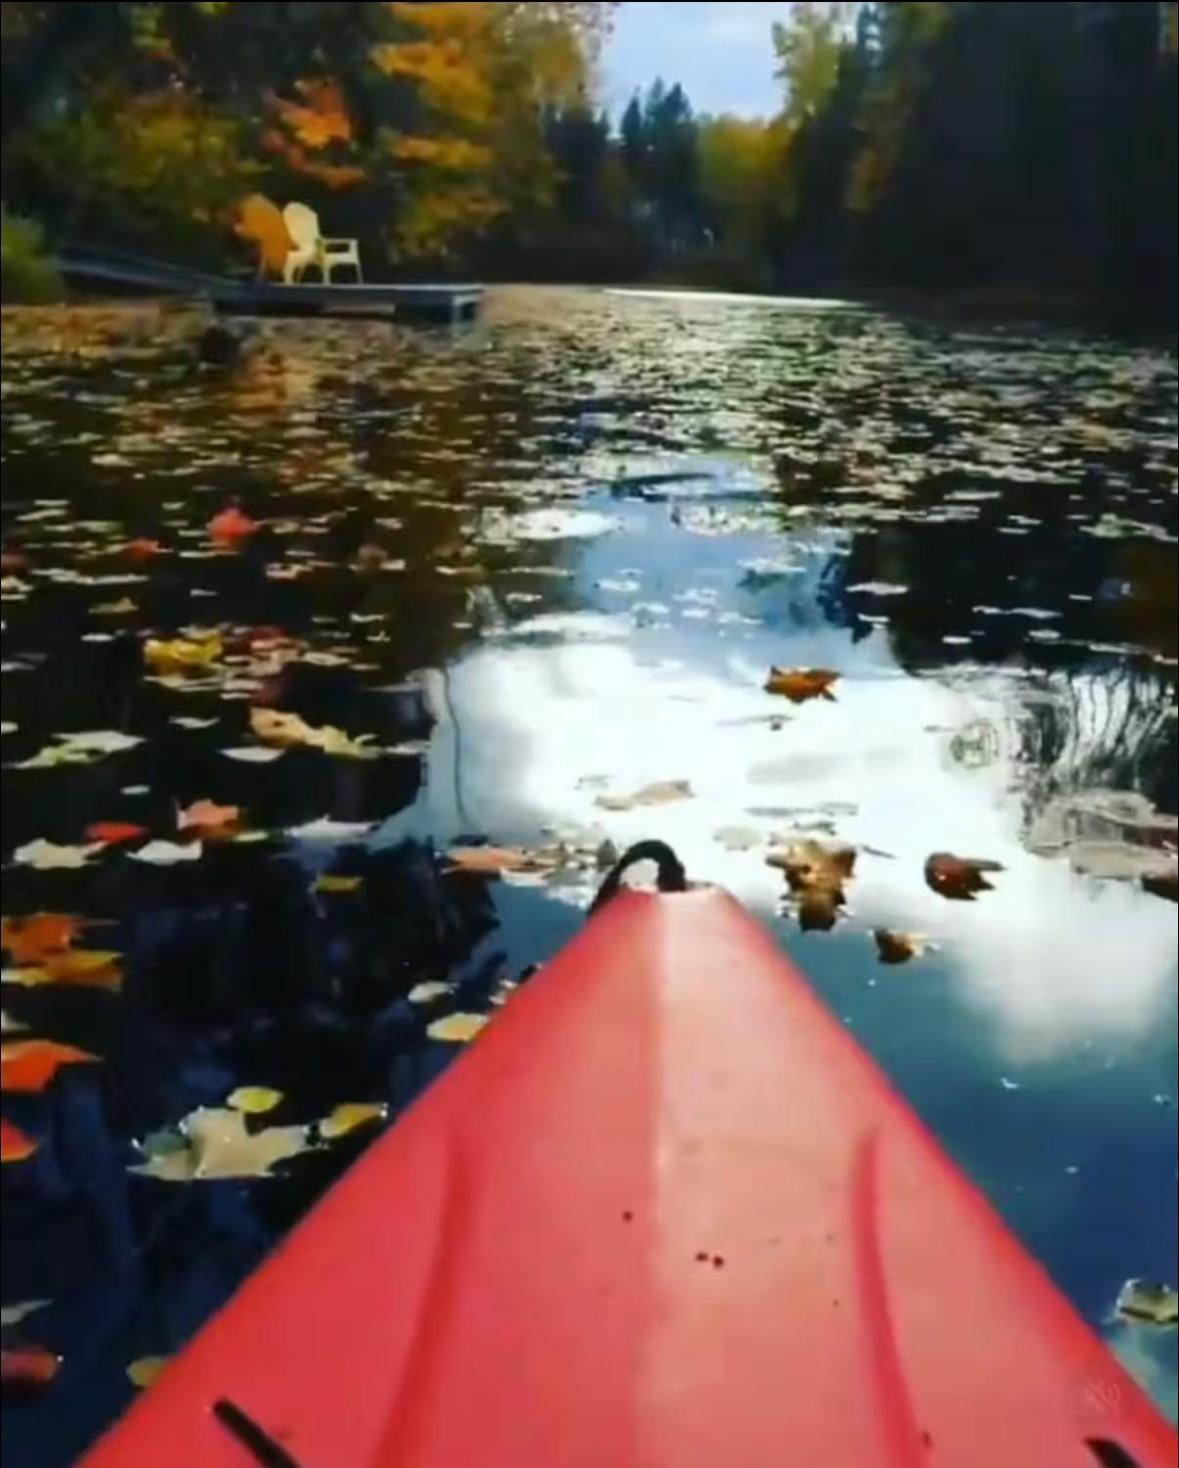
602	519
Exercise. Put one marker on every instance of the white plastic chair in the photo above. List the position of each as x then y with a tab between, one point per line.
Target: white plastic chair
311	248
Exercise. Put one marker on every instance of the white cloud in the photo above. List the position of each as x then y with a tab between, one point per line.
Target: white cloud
720	53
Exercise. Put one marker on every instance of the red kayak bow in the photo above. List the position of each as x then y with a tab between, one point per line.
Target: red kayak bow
663	1214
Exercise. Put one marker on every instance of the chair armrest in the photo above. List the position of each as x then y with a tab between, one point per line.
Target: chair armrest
326	244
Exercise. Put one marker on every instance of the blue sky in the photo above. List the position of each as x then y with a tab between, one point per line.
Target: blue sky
719	50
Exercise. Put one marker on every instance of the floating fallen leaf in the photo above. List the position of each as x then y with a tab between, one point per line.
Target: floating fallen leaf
143	1372
217	1145
121	608
142	549
1089	814
348	1116
167	853
182	654
15	1146
336	884
815	872
1146	1301
55	755
893	947
344	746
100	741
224	1148
503	992
289	730
323	828
230	525
161	1143
48	855
83	968
247	838
190	683
29	1065
11	1315
29	939
807	861
490	860
959	877
84	748
737	838
1121	861
208	819
426	992
325	659
252	754
661	792
513	878
801	684
26	1369
456	1028
1126	808
253	1100
274	727
114	833
186	721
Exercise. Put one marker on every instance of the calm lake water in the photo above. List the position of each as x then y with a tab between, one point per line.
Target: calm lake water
544	562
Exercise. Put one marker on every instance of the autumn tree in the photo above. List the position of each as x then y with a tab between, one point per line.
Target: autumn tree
739	163
416	124
479	79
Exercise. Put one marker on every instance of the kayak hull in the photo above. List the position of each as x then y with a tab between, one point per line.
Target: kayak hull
664	1213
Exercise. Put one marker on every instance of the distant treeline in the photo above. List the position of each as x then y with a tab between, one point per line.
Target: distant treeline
936	148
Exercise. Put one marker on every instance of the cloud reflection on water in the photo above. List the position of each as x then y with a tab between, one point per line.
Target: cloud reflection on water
564	706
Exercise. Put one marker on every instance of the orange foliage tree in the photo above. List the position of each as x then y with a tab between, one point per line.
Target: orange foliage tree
428	119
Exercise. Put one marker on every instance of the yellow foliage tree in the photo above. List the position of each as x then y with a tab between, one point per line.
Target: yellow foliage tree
321	117
477	76
163	152
739	161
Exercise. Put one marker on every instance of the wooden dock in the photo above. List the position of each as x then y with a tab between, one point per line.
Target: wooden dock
406	302
116	271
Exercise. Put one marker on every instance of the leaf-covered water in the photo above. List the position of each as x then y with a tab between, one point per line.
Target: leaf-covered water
526	584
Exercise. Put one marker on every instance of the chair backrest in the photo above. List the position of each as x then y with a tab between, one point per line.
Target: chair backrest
302	224
260	221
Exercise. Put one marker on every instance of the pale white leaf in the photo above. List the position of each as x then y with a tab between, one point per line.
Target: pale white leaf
167	853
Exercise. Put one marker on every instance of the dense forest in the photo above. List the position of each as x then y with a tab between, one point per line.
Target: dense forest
920	147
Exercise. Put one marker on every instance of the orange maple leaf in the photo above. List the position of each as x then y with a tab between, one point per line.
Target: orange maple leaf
29	939
29	1065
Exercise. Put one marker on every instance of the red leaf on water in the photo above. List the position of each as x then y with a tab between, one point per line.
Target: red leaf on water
29	939
29	1065
114	833
206	818
959	878
26	1369
230	525
801	684
15	1145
